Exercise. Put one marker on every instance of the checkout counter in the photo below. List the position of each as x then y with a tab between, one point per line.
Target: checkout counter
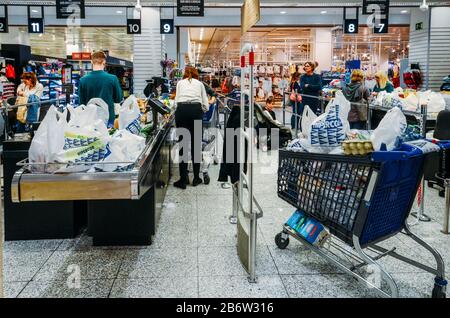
119	208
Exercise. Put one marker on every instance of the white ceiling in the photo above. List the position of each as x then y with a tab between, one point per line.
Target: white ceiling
278	3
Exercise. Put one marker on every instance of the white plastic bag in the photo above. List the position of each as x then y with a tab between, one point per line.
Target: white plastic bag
129	115
389	130
123	148
102	109
38	152
330	129
85	137
308	118
436	103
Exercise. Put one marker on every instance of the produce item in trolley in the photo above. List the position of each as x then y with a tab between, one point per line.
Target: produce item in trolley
130	115
389	131
329	130
357	147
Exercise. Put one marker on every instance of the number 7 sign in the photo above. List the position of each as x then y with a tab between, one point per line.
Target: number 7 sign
382	27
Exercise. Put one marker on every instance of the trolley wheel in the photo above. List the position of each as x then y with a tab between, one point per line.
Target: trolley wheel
440	286
281	242
206	178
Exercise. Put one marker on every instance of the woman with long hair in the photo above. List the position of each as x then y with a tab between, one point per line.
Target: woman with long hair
383	83
192	102
311	86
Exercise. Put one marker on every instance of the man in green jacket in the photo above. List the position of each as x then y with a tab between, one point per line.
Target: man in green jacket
100	84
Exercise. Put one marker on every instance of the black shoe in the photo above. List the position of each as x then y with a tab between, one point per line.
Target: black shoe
180	184
196	182
206	178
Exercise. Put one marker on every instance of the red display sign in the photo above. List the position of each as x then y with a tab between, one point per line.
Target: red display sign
81	56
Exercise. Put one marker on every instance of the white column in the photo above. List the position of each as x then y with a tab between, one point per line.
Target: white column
323	48
147	49
439	53
418	41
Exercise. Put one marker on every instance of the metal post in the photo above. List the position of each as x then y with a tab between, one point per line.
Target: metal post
447	206
235	189
253	228
284	108
421	216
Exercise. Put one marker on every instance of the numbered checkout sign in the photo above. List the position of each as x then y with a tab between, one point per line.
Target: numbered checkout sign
166	26
351	26
3	25
133	26
35	25
381	27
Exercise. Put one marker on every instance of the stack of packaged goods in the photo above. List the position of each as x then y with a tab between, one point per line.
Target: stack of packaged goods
308	228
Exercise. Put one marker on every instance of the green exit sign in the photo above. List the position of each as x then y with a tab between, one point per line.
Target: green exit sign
419	26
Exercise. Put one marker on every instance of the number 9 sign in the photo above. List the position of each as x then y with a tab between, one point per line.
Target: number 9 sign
166	26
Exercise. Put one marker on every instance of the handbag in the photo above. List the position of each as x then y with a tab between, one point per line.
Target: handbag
295	97
22	110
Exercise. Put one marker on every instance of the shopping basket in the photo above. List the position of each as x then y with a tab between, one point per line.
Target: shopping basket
362	200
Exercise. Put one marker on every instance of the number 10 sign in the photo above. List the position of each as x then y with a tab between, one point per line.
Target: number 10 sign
133	26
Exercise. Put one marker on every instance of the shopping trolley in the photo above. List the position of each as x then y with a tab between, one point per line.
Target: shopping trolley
209	141
362	200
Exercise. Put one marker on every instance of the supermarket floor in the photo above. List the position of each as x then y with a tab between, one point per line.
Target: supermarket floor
194	254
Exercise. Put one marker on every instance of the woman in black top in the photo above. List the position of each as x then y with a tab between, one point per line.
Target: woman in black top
295	87
310	84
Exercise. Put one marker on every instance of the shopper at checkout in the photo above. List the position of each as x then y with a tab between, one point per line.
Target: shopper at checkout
311	88
100	84
382	84
357	94
29	92
192	102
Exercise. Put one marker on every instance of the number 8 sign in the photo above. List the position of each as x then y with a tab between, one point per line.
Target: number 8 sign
351	26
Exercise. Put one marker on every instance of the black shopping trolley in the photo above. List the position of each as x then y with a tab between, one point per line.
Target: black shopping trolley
362	200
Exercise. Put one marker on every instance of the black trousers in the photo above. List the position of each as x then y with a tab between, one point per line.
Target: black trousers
185	117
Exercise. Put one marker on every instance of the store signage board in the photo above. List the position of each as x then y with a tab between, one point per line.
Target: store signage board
166	26
351	26
250	14
81	56
133	26
70	8
370	5
190	8
35	25
4	25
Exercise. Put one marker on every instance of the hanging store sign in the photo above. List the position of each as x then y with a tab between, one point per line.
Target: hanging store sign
351	25
250	14
70	8
419	26
381	27
133	26
36	24
4	21
371	6
190	8
166	26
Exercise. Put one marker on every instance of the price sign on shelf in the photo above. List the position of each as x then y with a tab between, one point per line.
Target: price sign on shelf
35	25
133	26
166	26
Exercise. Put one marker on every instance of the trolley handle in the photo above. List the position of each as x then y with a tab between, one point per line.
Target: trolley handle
404	153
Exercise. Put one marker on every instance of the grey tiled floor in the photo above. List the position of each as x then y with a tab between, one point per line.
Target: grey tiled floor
194	255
